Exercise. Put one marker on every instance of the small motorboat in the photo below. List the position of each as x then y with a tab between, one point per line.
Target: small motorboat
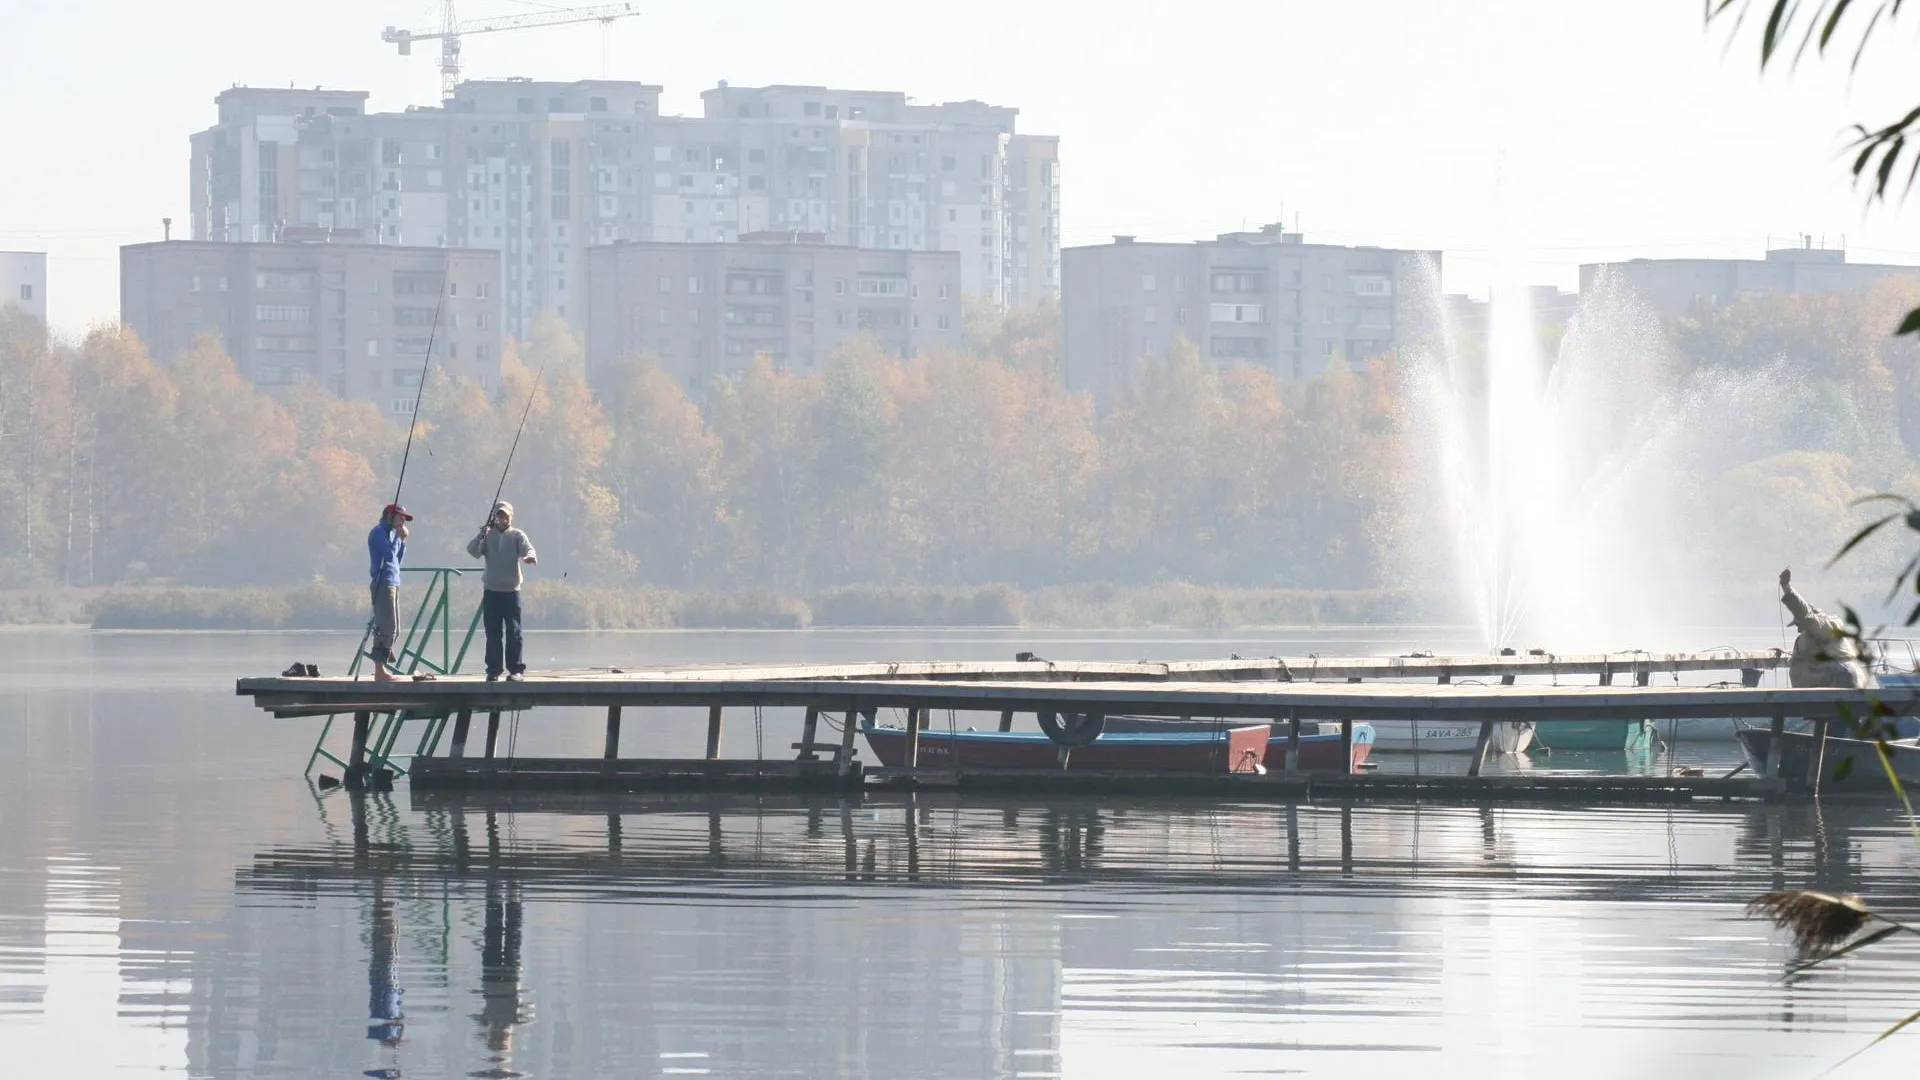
1215	749
1319	739
1595	734
1864	776
1452	736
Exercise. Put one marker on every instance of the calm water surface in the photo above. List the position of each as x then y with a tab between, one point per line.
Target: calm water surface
176	899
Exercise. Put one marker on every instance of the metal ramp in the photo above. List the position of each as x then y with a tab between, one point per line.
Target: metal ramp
427	648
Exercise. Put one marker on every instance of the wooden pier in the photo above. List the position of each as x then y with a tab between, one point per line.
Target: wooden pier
1477	689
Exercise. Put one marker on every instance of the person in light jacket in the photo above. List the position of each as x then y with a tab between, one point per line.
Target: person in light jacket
504	548
1822	653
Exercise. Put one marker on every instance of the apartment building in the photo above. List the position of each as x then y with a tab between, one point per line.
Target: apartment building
707	309
357	318
1266	298
1674	287
542	171
23	282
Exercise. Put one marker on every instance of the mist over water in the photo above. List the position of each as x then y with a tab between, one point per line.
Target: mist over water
1559	490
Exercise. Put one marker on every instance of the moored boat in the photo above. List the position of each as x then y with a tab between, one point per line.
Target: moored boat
1214	749
1319	739
1451	736
1595	734
1864	775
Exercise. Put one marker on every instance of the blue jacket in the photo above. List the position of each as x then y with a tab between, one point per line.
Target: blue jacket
385	549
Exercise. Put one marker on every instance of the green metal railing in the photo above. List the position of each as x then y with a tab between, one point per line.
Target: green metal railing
429	635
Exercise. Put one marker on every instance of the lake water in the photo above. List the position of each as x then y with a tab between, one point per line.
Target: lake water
175	898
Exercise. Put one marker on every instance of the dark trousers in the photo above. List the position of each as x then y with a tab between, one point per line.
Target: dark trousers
501	610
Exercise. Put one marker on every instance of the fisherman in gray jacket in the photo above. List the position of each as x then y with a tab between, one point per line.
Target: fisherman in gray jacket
504	548
1822	653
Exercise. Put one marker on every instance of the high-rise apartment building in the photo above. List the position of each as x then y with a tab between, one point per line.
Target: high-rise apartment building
707	309
1673	287
542	171
23	282
1265	298
356	318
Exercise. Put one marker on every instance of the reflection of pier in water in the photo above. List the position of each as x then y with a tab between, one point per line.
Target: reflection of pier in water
662	906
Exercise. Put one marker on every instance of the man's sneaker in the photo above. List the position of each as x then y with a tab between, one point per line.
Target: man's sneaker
493	676
515	676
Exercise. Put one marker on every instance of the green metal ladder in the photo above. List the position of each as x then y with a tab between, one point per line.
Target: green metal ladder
432	625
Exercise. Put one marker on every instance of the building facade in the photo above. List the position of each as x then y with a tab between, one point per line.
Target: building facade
1264	298
357	318
708	309
1675	287
540	172
23	282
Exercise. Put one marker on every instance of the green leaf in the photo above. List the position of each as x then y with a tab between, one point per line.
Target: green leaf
1833	21
1842	769
1910	324
1770	38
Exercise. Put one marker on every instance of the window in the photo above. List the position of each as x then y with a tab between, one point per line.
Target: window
482	352
1239	281
663	153
1147	284
1326	316
400	406
1376	317
756	183
1239	313
811	108
1371	284
693	316
480	290
664	317
406	377
943	292
26	292
945	323
839	286
756	155
1326	348
282	313
666	284
946	162
453	288
693	284
598	104
373	347
882	286
1150	314
194	284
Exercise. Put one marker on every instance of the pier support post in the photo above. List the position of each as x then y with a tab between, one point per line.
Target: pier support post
1480	749
493	731
844	762
357	757
915	718
1606	673
713	732
461	725
613	732
1817	760
807	729
1293	742
1346	745
1778	731
1006	720
1507	679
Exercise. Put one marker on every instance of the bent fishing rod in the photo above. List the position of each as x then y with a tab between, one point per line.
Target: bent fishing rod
515	448
413	419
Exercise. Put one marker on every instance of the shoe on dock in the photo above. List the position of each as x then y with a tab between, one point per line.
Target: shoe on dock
515	676
493	676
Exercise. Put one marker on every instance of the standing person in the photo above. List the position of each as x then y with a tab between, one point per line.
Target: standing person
504	548
386	547
1822	653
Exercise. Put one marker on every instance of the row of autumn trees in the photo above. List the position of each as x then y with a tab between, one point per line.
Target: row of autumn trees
957	468
954	468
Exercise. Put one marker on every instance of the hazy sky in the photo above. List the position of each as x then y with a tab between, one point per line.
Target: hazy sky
1581	130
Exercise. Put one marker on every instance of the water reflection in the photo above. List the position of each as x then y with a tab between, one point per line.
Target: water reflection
928	935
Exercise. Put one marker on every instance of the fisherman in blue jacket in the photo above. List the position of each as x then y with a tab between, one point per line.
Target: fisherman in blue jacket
386	547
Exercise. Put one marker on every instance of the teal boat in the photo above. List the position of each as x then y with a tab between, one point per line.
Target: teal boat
1594	734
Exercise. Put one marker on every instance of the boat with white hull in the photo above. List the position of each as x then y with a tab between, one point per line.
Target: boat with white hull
1450	736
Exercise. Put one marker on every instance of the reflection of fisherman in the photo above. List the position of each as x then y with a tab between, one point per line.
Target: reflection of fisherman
500	1005
1823	655
383	996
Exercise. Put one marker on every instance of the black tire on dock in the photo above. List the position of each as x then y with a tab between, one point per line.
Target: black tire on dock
1079	729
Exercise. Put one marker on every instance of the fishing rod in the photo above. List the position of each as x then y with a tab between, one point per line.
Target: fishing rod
515	448
413	420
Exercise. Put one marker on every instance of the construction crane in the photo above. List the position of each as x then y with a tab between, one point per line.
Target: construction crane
452	30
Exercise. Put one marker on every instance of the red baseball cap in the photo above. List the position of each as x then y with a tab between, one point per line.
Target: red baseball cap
396	508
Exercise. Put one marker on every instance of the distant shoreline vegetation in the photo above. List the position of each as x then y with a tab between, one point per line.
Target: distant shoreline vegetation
566	607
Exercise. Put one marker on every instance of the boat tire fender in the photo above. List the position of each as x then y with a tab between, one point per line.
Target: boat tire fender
1072	729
